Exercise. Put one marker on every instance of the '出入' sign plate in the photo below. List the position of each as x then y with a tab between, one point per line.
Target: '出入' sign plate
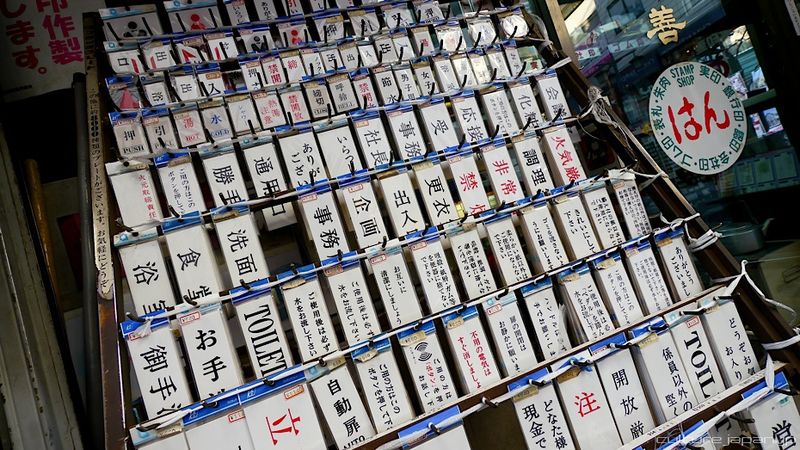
697	118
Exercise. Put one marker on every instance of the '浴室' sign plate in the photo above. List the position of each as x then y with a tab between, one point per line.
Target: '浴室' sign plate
697	118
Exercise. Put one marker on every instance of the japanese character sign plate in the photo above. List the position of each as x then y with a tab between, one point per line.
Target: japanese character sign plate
697	118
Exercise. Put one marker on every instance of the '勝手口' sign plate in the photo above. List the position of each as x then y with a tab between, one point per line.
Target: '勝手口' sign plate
697	118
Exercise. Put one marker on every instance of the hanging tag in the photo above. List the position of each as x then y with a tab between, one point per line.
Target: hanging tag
264	336
157	364
372	138
295	105
211	353
320	213
426	363
574	224
268	178
646	276
450	36
477	367
501	173
135	193
616	288
269	108
302	158
159	126
552	96
237	11
561	154
428	11
402	46
364	21
156	92
342	408
623	389
308	313
216	122
312	61
468	181
339	148
348	55
498	111
446	74
463	71
145	270
179	182
293	7
469	117
387	86
540	415
541	237
426	79
383	386
663	373
480	67
189	125
423	43
601	212
525	103
696	353
369	57
186	16
191	50
228	429
243	114
252	73
273	71
293	34
630	202
158	55
285	419
123	92
683	278
435	192
130	22
536	176
129	134
473	266
510	335
210	78
295	70
330	25
224	177
586	407
222	46
452	438
266	10
364	91
192	257
497	61
585	302
365	213
238	237
351	295
406	82
548	322
728	338
124	61
344	97
776	419
438	126
318	98
406	215
396	288
434	274
384	49
507	250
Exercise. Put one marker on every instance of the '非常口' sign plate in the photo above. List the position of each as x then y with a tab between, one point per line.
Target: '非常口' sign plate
697	118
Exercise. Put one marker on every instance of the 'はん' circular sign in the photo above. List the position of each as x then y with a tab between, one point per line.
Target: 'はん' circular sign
697	118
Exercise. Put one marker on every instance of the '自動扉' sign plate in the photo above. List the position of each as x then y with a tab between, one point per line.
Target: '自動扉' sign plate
697	118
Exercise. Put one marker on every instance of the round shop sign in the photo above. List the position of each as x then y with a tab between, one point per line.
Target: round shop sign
697	118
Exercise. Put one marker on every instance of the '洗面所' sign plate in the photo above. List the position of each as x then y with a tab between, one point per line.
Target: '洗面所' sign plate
697	118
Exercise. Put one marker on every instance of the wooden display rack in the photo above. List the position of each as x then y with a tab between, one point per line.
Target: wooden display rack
764	321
